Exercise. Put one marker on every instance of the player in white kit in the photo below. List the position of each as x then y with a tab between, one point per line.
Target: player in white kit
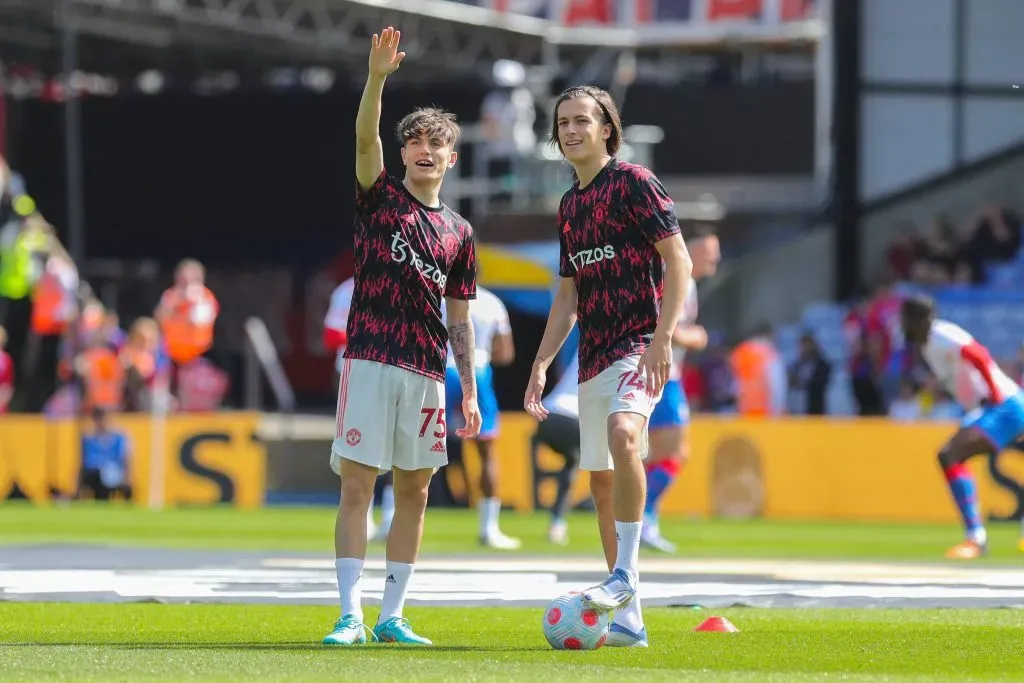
994	405
494	348
670	421
561	433
335	340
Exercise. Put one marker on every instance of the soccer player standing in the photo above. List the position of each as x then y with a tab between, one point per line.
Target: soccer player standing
670	421
624	276
410	251
995	405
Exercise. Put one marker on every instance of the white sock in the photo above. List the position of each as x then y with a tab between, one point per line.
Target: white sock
630	616
628	557
490	510
349	571
979	535
387	508
396	585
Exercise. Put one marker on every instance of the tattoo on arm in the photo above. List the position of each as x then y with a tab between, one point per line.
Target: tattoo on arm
463	343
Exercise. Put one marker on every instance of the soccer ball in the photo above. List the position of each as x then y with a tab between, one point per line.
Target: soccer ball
568	625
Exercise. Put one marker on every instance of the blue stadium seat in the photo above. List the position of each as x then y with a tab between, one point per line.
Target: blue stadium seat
825	314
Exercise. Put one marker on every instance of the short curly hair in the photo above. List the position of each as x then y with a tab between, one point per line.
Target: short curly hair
431	121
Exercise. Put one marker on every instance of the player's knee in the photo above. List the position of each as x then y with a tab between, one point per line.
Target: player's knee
355	494
949	456
411	489
624	439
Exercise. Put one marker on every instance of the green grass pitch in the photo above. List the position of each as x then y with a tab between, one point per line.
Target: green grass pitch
139	642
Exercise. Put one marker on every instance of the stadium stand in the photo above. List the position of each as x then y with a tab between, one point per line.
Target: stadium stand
975	274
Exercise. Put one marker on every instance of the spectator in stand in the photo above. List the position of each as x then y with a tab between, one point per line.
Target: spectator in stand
864	374
994	234
883	316
882	330
943	252
694	387
187	313
719	382
809	375
855	325
760	373
54	308
6	374
945	256
142	359
101	376
201	387
904	249
112	332
85	327
906	407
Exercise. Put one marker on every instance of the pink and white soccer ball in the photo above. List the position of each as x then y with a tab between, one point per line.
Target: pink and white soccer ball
568	625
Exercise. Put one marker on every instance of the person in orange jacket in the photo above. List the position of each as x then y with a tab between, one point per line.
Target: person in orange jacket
187	313
760	376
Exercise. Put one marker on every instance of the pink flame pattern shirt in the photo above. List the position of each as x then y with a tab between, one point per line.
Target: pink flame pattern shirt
408	257
606	233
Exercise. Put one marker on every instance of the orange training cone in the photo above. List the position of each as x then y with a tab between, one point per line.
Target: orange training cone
717	625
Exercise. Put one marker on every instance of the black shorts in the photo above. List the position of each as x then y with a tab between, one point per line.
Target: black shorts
90	480
561	434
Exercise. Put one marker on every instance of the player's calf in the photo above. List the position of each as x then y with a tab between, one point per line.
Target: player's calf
350	551
602	485
491	534
624	439
356	496
964	490
625	433
402	550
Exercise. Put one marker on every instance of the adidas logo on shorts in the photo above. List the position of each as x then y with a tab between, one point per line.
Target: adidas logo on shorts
438	447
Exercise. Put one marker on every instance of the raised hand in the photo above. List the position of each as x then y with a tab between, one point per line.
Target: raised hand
384	55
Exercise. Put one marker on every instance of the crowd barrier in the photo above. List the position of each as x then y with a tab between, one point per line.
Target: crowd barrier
809	468
206	458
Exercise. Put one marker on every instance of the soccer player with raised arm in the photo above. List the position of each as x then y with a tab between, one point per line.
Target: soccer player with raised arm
624	272
411	252
670	421
995	405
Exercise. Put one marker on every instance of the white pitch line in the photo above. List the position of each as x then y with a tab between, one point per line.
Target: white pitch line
791	570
